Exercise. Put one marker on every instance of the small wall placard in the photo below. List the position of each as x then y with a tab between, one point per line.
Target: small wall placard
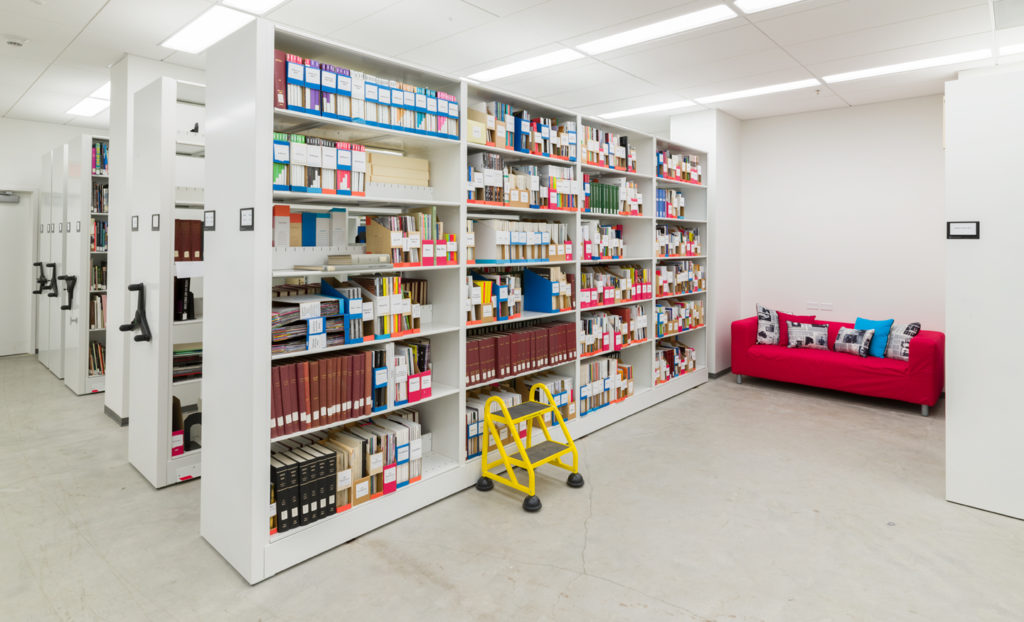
963	230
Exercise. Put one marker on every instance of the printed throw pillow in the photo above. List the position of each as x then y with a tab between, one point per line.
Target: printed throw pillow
899	340
853	341
767	326
881	337
805	335
786	317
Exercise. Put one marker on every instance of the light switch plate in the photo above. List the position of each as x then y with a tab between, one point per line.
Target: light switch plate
826	306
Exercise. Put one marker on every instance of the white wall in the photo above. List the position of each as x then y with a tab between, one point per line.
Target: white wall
984	427
22	144
846	207
718	134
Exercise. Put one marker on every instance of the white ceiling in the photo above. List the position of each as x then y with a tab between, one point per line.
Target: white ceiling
72	43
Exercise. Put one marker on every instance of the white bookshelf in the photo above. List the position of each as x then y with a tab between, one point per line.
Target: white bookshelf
241	266
169	165
51	261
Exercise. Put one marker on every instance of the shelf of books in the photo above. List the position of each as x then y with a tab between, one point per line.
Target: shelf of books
84	286
165	392
386	247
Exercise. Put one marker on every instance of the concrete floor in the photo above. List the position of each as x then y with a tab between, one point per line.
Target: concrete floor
753	502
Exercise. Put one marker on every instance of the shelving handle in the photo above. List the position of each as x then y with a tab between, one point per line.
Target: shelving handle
52	283
69	284
41	280
139	321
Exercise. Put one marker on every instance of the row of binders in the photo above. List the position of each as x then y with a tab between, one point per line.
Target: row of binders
320	475
97	312
323	390
98	237
416	238
672	359
612	330
322	89
680	167
669	203
613	284
604	380
514	393
97	358
512	240
682	277
499	296
493	180
188	240
98	275
319	166
100	157
297	229
679	316
517	349
496	124
100	198
672	241
602	241
608	150
612	195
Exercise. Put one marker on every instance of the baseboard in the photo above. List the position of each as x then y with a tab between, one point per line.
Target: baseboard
118	419
724	372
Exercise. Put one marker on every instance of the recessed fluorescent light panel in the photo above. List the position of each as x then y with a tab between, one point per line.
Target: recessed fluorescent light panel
657	30
924	63
210	27
682	103
89	107
762	90
529	64
102	93
259	7
753	6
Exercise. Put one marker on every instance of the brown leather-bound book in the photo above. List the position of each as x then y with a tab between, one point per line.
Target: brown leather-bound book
197	250
290	398
178	236
280	74
472	361
314	392
487	359
503	346
275	402
346	386
368	383
302	376
357	384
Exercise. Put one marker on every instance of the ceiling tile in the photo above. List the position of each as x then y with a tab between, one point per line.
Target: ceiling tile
901	86
501	8
902	55
780	103
67	12
325	16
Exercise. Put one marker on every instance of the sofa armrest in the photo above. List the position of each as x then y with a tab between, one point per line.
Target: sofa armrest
928	359
744	335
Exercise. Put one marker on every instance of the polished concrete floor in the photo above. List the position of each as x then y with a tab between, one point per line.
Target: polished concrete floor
739	503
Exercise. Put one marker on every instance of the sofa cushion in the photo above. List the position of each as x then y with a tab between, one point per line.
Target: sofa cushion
767	326
823	367
899	340
806	335
787	317
853	341
881	337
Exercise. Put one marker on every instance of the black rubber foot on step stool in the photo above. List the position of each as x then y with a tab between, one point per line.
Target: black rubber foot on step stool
575	480
484	484
531	503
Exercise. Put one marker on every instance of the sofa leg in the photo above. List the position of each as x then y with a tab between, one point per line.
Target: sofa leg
739	379
924	410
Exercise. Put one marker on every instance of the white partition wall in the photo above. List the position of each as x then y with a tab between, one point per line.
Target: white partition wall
241	266
984	428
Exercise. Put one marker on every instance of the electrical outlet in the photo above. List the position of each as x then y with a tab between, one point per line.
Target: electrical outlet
812	306
826	306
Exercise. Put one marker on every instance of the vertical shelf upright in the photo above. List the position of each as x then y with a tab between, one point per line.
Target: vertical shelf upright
163	443
53	216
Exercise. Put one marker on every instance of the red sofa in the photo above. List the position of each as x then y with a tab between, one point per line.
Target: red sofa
918	380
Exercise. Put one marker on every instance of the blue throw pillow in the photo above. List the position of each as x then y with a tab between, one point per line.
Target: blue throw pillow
881	328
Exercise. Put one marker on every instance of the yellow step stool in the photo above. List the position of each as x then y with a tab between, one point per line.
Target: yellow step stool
527	455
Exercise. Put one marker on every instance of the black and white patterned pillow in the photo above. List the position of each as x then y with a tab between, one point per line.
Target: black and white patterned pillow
767	326
853	341
813	336
899	340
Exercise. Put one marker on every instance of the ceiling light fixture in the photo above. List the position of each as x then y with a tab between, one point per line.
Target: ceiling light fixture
682	103
89	107
924	63
1007	50
259	7
529	64
761	90
754	6
657	30
210	27
102	93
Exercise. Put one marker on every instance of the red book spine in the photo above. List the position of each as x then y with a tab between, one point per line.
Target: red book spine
280	73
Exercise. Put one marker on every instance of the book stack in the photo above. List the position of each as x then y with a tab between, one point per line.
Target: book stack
188	240
673	358
98	312
411	372
98	238
323	229
684	277
612	330
491	124
100	158
604	285
318	166
100	198
485	179
559	188
186	361
674	241
303	484
97	358
517	349
493	296
98	276
608	150
604	380
612	195
679	316
415	239
385	168
602	241
680	167
311	87
515	240
386	309
670	203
